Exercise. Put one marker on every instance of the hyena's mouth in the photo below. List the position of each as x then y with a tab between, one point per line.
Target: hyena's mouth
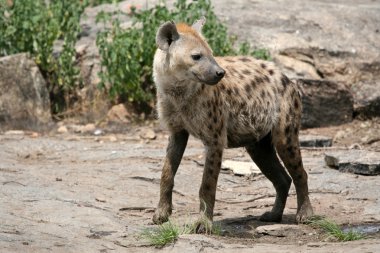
208	82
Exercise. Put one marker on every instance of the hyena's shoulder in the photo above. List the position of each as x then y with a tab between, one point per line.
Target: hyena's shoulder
249	74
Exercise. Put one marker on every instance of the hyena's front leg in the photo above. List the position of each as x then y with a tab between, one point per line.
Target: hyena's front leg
174	153
208	188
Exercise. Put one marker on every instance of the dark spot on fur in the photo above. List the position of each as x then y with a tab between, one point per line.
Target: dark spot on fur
287	117
258	79
222	87
248	88
242	77
287	130
216	135
229	91
263	65
215	119
266	78
296	104
245	59
209	114
203	86
246	72
210	127
262	94
271	72
295	130
288	141
285	81
216	143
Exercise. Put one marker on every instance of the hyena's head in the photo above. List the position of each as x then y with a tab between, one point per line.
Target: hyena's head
187	54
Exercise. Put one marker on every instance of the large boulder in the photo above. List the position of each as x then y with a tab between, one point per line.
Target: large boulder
24	98
325	103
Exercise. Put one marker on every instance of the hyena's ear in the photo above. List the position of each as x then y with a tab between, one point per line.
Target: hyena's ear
198	25
166	34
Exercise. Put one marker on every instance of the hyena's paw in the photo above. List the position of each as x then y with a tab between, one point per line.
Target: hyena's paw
305	212
271	217
160	216
203	225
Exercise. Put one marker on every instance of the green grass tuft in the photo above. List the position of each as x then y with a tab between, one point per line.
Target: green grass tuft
169	231
166	233
333	229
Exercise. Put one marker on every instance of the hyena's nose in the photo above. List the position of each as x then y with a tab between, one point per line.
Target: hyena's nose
220	73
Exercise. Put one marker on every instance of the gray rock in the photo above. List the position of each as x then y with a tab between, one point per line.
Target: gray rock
354	161
368	109
24	98
280	230
325	103
240	168
315	141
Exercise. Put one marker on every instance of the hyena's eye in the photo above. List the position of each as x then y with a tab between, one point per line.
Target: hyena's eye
196	57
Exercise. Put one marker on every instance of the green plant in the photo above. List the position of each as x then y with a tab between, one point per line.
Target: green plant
127	54
169	231
165	233
333	229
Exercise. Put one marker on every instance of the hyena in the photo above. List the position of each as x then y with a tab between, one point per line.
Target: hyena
226	102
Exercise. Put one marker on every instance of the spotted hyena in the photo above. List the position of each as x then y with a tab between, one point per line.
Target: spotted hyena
235	101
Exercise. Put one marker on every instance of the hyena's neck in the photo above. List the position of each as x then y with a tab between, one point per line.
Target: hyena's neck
180	91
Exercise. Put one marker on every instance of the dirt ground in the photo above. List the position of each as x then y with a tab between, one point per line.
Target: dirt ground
85	193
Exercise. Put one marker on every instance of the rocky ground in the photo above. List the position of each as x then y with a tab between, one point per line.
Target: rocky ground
96	192
94	187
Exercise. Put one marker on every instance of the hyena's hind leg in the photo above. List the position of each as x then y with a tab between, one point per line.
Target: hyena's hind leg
287	145
265	157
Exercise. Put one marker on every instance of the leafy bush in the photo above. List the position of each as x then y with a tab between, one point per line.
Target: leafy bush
33	26
127	54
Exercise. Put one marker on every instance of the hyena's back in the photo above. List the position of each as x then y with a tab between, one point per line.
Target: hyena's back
258	99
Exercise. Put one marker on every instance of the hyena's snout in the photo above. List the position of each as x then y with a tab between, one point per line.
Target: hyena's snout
214	74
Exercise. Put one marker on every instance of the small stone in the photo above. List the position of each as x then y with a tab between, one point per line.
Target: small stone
279	230
354	161
62	130
112	138
148	134
118	113
315	141
98	132
14	132
58	179
34	135
88	128
241	168
100	199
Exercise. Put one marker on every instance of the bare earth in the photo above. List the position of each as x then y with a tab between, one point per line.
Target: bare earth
85	193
